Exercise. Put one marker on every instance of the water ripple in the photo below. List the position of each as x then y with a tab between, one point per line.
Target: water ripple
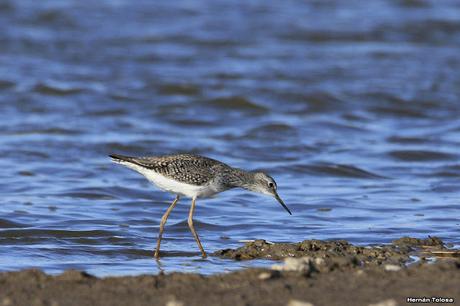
338	170
421	155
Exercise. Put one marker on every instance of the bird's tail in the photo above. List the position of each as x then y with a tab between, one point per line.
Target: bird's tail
128	161
121	158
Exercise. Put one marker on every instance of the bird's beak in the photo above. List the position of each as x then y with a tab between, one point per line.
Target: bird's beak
282	203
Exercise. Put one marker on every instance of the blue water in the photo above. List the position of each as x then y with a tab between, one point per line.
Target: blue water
352	106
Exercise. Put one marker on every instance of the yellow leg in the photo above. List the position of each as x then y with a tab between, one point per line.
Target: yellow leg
192	228
162	225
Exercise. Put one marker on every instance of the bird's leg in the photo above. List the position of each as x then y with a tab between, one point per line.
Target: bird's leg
162	225
192	228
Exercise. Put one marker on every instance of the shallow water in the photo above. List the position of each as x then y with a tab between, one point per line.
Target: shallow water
352	106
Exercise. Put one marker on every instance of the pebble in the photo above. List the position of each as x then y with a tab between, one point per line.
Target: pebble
174	302
303	264
264	276
392	268
299	303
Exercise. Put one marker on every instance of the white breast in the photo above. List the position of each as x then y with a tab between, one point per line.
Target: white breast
171	185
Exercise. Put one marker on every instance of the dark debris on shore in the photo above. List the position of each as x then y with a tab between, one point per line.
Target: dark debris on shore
396	253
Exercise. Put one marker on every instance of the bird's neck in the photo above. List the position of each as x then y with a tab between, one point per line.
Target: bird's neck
240	178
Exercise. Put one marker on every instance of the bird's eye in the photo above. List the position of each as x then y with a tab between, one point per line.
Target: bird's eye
271	185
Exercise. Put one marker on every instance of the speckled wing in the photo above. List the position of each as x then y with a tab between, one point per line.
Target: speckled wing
185	168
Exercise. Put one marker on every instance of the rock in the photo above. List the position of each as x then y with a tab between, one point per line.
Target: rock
303	264
174	302
268	275
264	276
298	303
392	268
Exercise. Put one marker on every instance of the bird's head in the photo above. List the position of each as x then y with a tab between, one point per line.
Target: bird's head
263	183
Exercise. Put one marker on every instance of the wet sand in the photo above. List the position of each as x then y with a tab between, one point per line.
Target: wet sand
315	272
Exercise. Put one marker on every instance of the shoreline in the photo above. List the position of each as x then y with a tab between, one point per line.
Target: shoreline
314	272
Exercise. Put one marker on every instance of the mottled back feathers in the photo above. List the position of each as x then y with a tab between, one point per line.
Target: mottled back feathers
186	168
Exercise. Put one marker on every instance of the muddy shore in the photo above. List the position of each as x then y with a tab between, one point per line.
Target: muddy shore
313	273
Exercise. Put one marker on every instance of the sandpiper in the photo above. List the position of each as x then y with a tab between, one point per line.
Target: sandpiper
195	176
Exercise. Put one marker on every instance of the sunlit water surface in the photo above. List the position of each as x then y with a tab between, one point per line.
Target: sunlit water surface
352	106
